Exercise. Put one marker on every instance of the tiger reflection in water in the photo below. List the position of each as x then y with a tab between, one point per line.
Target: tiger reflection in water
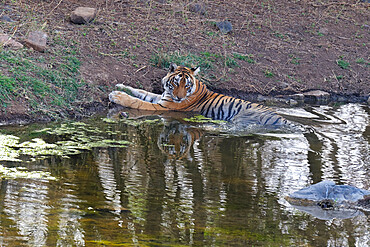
177	139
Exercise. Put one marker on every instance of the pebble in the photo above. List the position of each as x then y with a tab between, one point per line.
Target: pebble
324	30
6	18
224	26
198	8
6	41
83	15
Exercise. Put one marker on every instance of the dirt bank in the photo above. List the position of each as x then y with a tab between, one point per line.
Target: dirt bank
274	48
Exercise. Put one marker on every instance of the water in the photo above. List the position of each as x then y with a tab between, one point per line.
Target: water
159	181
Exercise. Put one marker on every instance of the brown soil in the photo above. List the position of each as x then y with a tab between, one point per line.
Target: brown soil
296	46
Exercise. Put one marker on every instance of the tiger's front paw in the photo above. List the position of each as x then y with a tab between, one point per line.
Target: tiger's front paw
118	97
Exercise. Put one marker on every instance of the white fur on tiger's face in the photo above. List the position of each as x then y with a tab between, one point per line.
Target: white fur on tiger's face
180	82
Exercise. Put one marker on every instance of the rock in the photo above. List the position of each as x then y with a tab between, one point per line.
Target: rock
299	97
83	15
6	18
328	190
368	100
36	40
158	1
316	97
342	200
293	102
261	98
7	41
224	26
198	8
324	30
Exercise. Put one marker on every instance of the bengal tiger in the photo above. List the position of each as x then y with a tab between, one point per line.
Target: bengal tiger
183	92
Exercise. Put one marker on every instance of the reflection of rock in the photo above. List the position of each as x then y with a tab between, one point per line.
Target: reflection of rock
343	199
329	214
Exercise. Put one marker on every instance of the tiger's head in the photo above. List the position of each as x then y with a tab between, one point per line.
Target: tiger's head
180	82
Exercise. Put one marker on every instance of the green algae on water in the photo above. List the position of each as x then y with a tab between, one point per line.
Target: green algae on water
203	119
7	153
21	172
138	122
68	139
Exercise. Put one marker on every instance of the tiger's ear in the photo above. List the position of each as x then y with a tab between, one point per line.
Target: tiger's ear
173	67
195	70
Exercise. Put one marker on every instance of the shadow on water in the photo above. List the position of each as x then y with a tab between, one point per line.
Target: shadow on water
151	180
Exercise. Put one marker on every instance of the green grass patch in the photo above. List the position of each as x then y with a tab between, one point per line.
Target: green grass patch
362	61
294	59
42	80
247	58
268	73
343	64
7	87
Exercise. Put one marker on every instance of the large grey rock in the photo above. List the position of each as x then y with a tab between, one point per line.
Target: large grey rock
343	200
83	15
7	41
328	190
36	40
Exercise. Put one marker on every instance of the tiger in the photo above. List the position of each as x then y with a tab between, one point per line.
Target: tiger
183	92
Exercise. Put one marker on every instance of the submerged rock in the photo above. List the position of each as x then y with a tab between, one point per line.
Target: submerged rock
344	200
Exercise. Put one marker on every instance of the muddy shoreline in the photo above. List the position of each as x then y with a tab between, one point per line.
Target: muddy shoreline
90	109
